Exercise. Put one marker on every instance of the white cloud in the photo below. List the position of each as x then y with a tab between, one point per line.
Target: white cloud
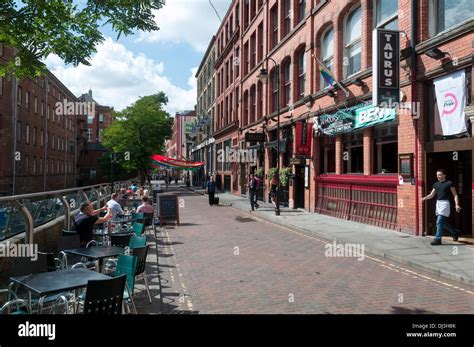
187	21
118	77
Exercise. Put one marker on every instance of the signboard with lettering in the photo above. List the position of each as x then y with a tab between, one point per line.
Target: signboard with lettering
304	134
386	67
169	208
369	116
255	137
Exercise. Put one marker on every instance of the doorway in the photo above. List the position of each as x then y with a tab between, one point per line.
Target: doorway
299	186
460	173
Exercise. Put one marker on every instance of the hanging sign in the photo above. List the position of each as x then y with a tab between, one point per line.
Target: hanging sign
304	132
386	67
451	100
369	116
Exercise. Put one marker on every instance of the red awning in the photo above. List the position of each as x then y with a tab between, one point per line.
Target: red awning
176	163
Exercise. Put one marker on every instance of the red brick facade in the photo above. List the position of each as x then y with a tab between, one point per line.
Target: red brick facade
257	32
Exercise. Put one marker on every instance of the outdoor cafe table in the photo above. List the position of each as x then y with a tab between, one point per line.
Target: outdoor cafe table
48	283
97	253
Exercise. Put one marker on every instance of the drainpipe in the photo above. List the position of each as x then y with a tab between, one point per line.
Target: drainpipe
413	98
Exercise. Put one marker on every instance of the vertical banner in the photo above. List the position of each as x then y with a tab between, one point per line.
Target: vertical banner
386	67
304	136
451	100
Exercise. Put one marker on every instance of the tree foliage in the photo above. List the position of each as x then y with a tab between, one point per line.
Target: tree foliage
68	28
139	131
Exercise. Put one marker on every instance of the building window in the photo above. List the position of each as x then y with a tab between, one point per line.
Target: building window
386	14
40	165
246	13
42	138
353	152
274	90
19	96
245	121
101	118
286	18
227	149
301	9
327	54
34	136
89	135
301	68
27	101
352	43
260	42
237	57
328	154
42	109
34	165
445	14
274	26
253	51
47	112
90	119
35	105
27	137
260	100
237	15
53	141
253	103
385	147
246	58
286	83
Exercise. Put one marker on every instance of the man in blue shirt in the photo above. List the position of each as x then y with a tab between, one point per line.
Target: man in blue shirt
211	189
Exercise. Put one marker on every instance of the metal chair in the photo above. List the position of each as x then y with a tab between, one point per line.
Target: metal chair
105	296
141	254
70	242
120	240
21	307
149	220
136	242
127	265
138	228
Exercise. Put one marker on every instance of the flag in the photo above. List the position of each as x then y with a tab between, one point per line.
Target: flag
329	77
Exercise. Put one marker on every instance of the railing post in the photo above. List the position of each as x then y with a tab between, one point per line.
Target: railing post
97	193
67	219
29	227
84	194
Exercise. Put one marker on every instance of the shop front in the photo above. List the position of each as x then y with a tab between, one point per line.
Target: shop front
358	165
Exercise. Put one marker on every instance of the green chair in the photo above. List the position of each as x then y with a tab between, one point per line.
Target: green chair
137	242
138	215
127	265
138	228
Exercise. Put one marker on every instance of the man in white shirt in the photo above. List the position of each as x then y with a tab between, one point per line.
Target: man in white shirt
115	206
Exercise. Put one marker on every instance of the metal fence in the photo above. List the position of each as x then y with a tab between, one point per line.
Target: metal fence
23	213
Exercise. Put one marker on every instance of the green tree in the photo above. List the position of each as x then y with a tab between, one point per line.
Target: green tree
139	131
68	28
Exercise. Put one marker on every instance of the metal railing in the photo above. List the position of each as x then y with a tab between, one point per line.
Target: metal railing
23	213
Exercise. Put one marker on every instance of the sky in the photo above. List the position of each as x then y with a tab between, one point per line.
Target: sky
148	62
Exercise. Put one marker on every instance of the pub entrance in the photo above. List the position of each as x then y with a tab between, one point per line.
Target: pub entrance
460	173
299	186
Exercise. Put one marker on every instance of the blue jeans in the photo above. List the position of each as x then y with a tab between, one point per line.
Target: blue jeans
442	224
252	198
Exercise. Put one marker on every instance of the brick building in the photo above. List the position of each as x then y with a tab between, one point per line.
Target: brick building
373	174
40	139
97	121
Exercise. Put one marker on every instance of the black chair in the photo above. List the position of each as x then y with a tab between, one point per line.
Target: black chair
105	296
149	220
22	266
120	240
141	253
69	232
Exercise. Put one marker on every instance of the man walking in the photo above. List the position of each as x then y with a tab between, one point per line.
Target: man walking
252	185
211	190
443	190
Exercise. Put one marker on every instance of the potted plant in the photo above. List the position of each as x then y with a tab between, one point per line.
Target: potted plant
259	172
272	172
285	174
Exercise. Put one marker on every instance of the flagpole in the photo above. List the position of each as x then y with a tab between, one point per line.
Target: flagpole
332	75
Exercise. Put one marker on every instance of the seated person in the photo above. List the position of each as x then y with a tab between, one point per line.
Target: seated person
123	193
83	223
145	207
134	187
115	206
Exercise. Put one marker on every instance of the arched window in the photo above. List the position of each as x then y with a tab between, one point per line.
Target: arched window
352	43
253	104
245	121
386	14
274	91
327	53
301	72
286	83
259	100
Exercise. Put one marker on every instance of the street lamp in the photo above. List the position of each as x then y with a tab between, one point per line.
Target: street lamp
263	76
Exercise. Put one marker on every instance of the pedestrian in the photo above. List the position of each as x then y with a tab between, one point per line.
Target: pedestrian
443	190
252	186
274	188
211	190
259	184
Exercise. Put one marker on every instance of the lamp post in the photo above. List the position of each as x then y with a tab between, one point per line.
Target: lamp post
263	76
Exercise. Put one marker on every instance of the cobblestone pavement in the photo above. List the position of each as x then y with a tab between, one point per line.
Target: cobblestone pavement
220	260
